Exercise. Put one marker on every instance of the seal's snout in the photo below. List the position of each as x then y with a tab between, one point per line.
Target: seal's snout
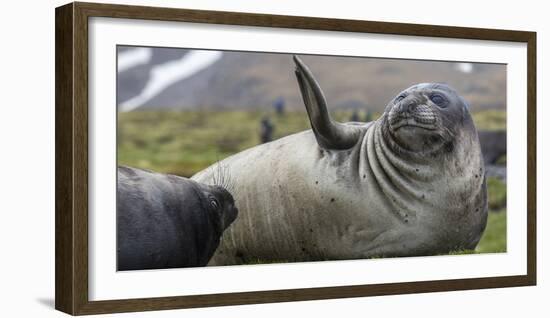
234	212
409	106
230	210
415	118
413	112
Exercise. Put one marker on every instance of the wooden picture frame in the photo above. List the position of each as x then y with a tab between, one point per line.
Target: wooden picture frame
71	221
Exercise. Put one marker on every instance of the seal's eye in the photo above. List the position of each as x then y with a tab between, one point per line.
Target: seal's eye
214	203
439	100
400	98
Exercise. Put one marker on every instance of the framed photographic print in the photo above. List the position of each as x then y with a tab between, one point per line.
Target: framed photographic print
220	158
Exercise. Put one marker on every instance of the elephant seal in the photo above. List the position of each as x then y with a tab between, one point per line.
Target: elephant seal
493	145
410	183
166	221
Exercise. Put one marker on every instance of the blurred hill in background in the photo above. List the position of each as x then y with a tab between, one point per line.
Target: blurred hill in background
252	81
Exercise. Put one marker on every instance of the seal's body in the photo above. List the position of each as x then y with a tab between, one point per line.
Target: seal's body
166	221
493	145
410	183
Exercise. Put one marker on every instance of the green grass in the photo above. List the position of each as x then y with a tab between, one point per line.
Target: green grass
490	119
496	190
501	160
186	142
494	238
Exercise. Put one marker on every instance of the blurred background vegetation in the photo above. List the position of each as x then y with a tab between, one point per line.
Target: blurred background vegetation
205	116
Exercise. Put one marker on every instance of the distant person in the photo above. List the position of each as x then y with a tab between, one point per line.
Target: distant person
279	105
266	130
354	115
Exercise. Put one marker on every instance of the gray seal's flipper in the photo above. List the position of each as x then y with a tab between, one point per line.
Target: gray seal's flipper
329	134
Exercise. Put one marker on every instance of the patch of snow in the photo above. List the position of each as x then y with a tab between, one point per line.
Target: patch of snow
168	73
465	67
133	57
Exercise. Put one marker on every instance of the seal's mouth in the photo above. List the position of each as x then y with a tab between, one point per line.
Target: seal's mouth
231	212
410	123
229	216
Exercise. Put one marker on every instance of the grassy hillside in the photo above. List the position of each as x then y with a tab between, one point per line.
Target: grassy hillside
184	143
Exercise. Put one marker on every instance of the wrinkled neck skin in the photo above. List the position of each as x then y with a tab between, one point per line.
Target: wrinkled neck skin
397	168
436	190
403	173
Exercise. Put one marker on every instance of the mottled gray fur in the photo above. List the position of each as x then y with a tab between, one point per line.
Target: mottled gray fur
410	183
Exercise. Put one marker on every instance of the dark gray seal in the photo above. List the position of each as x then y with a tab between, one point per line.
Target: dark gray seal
493	145
166	221
410	183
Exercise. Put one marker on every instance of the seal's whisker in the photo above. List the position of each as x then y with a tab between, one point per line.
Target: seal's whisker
214	175
221	176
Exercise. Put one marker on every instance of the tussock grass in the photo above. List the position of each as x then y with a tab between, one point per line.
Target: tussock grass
494	238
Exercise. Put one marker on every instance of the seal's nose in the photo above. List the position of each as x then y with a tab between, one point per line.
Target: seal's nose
408	105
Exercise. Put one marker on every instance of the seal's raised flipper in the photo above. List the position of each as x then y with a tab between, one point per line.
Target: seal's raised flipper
329	134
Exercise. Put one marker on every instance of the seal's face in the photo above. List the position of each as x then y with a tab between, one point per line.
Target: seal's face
221	205
423	117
